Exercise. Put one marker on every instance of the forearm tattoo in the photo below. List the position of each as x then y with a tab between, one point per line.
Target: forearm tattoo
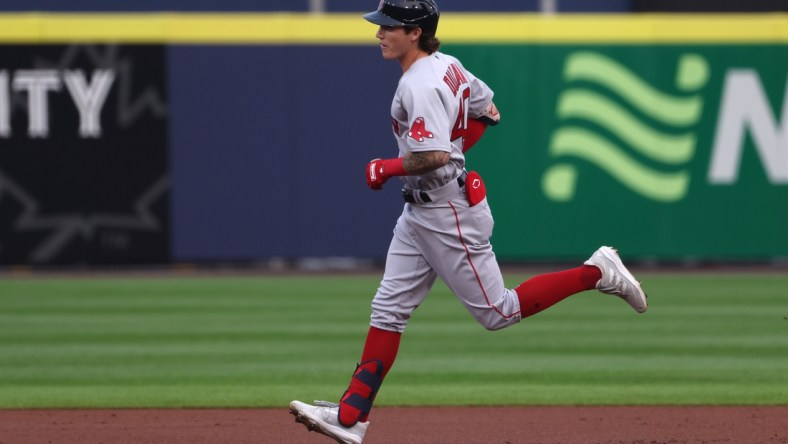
424	162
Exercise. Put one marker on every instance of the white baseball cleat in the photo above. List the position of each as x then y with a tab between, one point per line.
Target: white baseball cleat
322	418
617	280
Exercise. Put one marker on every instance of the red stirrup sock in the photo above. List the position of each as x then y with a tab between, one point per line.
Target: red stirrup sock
382	345
541	292
380	351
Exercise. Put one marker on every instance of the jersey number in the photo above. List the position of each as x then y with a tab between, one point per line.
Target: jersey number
461	125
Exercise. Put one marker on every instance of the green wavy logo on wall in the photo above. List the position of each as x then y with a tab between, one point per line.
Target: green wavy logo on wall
649	158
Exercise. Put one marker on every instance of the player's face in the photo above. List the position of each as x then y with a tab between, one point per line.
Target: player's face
395	43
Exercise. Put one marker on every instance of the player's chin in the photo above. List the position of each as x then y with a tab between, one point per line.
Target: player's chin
386	53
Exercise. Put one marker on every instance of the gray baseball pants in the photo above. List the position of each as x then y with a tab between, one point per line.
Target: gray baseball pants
451	240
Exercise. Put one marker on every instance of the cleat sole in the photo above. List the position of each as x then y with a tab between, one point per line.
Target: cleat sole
312	426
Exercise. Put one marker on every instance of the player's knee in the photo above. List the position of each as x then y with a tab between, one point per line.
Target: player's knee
495	326
503	313
491	320
389	320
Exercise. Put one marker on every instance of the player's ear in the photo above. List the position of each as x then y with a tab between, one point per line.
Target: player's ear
415	34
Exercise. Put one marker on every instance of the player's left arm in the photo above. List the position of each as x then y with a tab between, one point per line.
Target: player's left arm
478	125
482	111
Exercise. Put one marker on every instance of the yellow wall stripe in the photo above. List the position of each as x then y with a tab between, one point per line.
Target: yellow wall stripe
302	28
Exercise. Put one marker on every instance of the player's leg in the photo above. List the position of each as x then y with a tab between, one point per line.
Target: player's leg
603	271
455	239
471	271
545	290
380	351
406	282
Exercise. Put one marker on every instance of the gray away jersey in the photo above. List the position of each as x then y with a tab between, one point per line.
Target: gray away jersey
430	112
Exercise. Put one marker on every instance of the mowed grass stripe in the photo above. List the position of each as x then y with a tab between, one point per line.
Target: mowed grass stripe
262	341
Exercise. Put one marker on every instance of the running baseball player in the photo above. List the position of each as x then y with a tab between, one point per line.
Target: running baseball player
439	111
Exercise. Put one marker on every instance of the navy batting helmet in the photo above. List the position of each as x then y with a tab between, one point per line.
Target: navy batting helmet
421	13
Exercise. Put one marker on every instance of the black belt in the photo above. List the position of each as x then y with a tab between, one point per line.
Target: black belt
409	197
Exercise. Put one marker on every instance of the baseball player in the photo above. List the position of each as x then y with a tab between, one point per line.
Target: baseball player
439	111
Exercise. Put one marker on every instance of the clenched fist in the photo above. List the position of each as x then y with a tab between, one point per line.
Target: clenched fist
380	170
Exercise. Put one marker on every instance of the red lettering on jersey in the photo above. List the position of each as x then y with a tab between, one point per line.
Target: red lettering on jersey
454	78
418	131
461	124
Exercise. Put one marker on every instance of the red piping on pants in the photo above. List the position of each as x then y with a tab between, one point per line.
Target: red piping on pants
473	267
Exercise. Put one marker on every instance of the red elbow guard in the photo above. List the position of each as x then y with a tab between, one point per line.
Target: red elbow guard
472	135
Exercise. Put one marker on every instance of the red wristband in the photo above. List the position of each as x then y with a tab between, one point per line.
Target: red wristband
380	170
394	167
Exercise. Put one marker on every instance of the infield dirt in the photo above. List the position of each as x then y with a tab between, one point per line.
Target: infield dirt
483	425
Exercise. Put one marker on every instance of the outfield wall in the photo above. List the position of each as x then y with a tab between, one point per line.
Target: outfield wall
179	137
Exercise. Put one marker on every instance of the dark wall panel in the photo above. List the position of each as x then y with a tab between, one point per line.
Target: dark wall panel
269	146
84	169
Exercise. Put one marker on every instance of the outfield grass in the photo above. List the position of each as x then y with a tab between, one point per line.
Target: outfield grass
263	341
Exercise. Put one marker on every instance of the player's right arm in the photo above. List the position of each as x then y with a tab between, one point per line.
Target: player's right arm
413	164
422	162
